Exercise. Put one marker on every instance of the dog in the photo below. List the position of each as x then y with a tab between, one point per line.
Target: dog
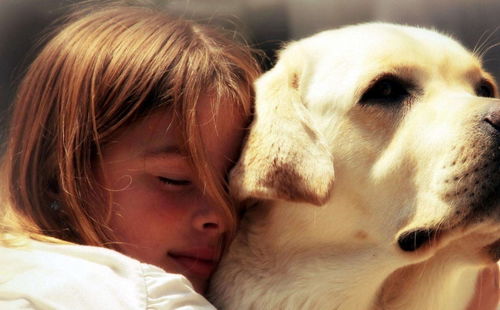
370	176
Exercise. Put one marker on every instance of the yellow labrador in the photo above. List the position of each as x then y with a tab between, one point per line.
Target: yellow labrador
407	120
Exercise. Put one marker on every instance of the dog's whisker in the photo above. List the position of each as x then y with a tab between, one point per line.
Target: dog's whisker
480	42
480	45
486	50
421	274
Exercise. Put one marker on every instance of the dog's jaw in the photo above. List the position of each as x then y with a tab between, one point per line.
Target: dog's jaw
258	257
415	287
379	282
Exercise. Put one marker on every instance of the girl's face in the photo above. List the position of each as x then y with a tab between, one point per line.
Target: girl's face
161	214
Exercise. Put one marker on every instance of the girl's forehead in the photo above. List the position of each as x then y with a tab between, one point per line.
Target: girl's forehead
221	120
220	129
155	133
222	133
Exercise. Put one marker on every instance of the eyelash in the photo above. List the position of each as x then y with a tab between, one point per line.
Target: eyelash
174	182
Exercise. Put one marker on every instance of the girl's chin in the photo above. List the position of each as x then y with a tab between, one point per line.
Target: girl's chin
196	271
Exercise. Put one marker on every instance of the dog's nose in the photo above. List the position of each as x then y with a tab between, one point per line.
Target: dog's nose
493	117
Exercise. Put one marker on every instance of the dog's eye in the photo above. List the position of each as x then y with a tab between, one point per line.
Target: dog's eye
386	90
485	89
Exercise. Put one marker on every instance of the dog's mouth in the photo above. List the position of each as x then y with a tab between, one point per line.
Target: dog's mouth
414	240
494	251
419	239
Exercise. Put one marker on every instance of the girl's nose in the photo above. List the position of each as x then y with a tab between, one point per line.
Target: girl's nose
209	219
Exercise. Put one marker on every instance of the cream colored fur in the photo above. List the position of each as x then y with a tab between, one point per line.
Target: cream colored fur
312	240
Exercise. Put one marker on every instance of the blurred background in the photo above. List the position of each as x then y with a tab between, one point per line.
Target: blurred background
265	24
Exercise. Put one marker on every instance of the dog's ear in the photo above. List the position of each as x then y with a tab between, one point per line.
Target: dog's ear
284	157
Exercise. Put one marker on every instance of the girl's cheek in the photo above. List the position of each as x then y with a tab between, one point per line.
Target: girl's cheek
184	200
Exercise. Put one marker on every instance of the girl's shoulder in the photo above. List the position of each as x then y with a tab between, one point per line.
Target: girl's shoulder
44	275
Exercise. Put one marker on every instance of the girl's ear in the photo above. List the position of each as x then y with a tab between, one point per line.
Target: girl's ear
284	157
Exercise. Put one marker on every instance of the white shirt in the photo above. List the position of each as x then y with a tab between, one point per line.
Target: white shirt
47	276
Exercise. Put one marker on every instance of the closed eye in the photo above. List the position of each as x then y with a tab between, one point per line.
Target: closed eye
174	182
387	90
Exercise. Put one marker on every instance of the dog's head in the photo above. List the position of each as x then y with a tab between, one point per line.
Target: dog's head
406	118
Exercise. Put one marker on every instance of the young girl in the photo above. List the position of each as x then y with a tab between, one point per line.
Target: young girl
123	131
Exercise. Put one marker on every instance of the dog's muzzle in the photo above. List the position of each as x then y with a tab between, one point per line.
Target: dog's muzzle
489	202
476	192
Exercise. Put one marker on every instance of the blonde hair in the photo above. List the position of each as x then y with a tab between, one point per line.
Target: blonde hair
106	68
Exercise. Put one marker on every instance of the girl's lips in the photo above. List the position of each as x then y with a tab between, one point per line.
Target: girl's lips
199	262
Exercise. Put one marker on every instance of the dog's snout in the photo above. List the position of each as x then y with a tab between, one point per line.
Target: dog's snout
493	117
